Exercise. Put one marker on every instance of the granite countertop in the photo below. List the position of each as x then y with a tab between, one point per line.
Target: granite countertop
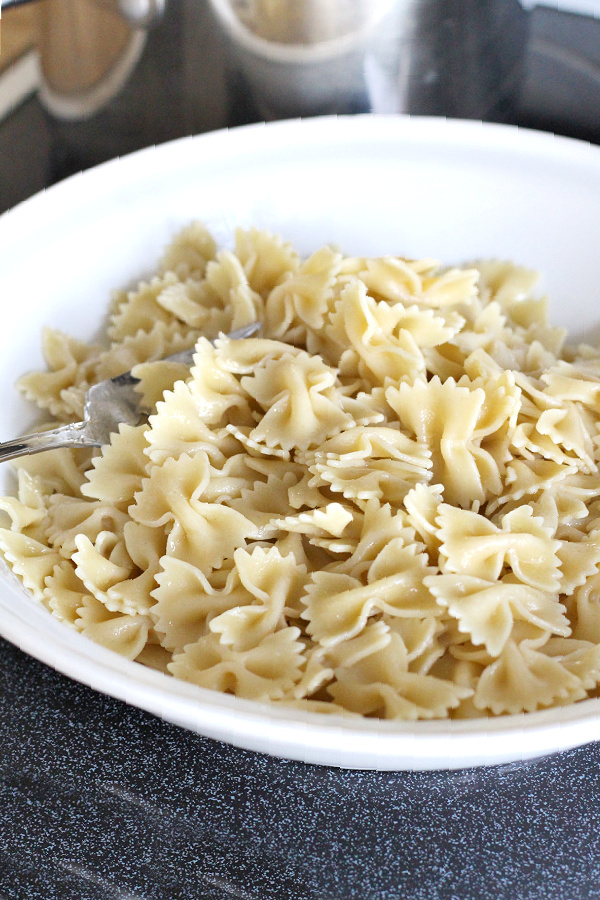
101	800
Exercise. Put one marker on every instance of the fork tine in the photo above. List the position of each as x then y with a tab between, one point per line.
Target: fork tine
100	420
244	332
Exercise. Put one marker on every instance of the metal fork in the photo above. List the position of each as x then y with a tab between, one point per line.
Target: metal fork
107	404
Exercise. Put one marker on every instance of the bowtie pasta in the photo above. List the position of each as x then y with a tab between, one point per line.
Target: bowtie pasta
387	504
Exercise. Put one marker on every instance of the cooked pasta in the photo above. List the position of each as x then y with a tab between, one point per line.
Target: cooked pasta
387	504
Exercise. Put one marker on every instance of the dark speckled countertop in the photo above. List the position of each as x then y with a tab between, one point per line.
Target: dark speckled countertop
100	800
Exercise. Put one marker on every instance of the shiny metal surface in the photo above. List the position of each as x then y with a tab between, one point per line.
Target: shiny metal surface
438	57
466	59
142	13
460	58
108	404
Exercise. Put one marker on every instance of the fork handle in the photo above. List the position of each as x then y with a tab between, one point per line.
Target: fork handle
72	435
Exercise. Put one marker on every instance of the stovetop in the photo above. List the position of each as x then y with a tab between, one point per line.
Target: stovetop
100	800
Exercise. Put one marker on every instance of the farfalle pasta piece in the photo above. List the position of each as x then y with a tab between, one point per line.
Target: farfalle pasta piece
242	357
177	429
391	279
156	378
190	251
421	639
578	561
203	532
338	605
228	287
412	327
374	331
511	286
316	674
274	584
262	503
266	258
559	435
30	491
215	391
305	297
527	478
501	408
381	685
160	340
305	493
102	563
69	517
472	545
568	382
65	593
187	301
367	463
381	524
452	287
331	519
466	674
581	658
117	474
374	637
366	442
30	559
139	310
243	435
575	497
28	510
452	421
422	504
300	402
486	610
71	364
227	482
186	600
59	471
173	486
123	634
523	679
375	479
487	329
153	656
409	281
209	536
269	671
145	547
584	609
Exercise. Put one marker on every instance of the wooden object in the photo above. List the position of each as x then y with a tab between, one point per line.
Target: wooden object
20	32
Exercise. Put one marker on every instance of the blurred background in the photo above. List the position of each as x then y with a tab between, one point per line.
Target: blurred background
82	81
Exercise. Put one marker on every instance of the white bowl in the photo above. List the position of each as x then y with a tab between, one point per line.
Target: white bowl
420	187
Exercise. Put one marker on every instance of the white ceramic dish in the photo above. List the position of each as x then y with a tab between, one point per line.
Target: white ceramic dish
455	190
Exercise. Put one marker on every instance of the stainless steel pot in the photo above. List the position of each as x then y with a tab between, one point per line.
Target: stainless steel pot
441	57
304	57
